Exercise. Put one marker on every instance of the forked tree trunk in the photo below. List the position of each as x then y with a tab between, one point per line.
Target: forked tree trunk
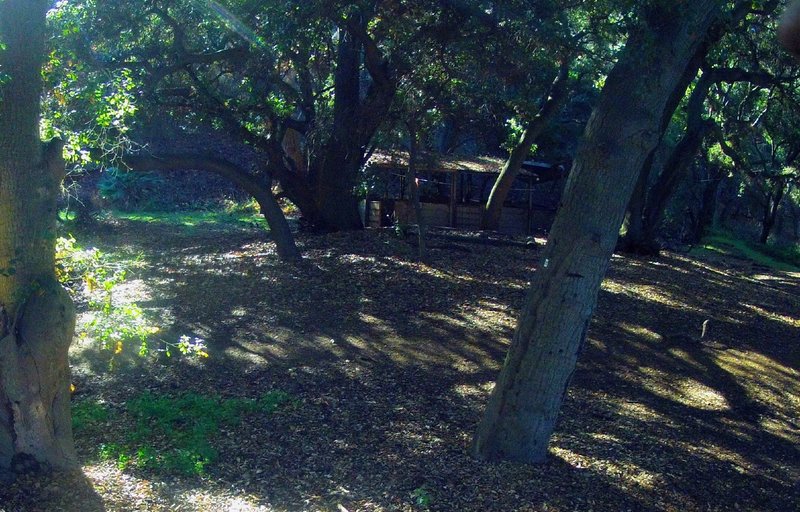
490	219
771	208
36	315
623	129
356	117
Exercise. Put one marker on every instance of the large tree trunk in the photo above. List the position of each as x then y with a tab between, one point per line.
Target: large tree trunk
334	176
623	129
36	315
260	191
490	220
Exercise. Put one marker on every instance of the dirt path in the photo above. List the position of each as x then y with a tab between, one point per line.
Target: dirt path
389	363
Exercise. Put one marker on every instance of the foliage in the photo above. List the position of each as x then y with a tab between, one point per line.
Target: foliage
127	190
171	434
87	414
262	71
112	325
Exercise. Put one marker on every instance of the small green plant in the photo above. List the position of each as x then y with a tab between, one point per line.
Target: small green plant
173	434
422	497
192	219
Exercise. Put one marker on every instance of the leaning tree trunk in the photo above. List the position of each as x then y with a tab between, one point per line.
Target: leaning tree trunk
36	314
260	191
639	234
675	168
708	205
490	219
623	129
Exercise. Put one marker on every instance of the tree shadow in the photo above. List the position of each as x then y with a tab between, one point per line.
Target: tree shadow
390	363
34	493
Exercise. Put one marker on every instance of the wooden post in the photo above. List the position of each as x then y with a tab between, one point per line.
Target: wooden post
530	205
453	192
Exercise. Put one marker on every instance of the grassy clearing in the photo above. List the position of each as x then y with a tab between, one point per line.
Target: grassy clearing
192	219
167	434
778	258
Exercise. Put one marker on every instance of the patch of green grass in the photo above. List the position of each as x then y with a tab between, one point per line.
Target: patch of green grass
191	219
87	414
787	259
175	434
790	255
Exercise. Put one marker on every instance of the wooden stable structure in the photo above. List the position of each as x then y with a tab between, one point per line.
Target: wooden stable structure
454	191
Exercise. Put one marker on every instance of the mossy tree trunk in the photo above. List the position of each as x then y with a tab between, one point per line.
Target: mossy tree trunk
623	129
36	314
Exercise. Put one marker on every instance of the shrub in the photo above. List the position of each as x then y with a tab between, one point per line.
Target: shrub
130	190
112	325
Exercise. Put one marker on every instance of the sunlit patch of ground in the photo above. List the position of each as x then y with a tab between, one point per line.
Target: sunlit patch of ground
390	362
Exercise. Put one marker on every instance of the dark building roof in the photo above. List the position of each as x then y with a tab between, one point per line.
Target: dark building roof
432	162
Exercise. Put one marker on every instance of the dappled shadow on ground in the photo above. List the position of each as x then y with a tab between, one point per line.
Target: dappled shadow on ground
391	361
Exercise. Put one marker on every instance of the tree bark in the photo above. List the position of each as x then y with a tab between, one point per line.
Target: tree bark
490	220
632	235
413	188
334	176
771	209
37	318
624	128
336	173
279	227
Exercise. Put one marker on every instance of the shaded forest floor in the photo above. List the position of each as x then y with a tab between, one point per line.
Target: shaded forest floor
389	363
